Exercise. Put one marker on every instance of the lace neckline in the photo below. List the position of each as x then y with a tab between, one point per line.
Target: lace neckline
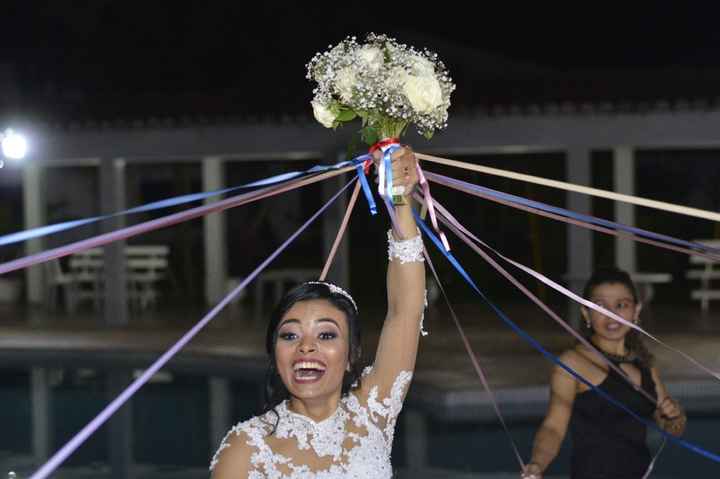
284	412
354	441
324	437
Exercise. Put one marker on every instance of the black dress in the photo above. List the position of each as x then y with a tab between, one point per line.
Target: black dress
608	443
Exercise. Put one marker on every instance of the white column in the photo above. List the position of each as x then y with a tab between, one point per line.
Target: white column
34	216
624	182
579	240
41	395
213	177
220	410
340	270
112	199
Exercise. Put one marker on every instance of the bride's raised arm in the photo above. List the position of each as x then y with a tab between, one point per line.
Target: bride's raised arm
398	345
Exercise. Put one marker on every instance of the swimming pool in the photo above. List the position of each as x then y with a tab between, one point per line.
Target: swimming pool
171	433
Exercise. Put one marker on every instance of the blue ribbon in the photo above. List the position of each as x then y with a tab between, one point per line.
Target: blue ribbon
578	216
169	202
535	344
366	189
387	160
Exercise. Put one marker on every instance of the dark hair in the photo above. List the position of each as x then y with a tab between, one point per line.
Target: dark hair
633	341
275	390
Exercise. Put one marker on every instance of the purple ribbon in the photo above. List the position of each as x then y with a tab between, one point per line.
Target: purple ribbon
70	447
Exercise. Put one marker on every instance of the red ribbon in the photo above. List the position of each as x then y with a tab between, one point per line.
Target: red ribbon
366	166
384	143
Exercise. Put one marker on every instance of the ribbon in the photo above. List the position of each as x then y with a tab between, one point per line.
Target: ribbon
591	305
385	176
54	462
611	195
582	224
422	181
134	230
362	171
385	179
465	235
469	187
535	344
170	202
461	232
476	364
341	230
383	144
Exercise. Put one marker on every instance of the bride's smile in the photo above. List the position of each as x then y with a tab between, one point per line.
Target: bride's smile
312	350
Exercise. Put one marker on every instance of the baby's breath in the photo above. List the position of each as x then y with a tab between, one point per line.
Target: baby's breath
387	84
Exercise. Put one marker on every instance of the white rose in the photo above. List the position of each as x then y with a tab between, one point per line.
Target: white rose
323	114
371	58
344	83
396	78
422	66
424	93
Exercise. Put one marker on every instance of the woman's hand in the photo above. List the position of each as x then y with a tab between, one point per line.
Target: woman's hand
404	169
669	408
532	471
670	416
668	413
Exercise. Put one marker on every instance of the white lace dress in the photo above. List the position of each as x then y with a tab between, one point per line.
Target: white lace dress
355	442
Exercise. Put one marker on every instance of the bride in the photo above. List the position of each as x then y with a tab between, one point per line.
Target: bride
324	417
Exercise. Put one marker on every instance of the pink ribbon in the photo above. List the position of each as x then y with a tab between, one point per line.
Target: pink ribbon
591	305
455	226
431	207
476	364
341	231
163	222
54	462
465	236
442	181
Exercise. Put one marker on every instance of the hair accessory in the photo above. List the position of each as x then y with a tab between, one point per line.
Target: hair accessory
335	289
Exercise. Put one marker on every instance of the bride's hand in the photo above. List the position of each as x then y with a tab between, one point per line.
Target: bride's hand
532	471
404	168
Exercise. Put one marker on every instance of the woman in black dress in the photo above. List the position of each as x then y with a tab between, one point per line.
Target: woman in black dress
607	443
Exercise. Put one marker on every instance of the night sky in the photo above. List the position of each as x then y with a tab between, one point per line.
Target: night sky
126	58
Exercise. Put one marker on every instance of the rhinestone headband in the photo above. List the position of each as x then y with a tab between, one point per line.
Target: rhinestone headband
335	289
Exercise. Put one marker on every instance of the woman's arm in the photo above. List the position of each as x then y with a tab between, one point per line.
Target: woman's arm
669	416
549	437
232	460
398	345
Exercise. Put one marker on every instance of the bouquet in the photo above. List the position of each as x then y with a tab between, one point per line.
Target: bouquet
388	85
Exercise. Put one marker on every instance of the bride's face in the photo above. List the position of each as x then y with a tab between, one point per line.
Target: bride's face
311	351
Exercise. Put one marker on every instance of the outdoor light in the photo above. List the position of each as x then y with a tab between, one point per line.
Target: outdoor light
14	145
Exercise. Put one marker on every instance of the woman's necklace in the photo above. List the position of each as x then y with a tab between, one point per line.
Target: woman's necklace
618	358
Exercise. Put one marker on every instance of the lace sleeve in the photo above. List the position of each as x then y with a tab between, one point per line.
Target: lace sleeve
384	409
242	450
232	458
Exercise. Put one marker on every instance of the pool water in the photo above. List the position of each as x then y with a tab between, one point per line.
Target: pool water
171	431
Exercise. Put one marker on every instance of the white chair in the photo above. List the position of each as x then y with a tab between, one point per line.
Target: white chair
86	269
57	283
708	271
146	266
